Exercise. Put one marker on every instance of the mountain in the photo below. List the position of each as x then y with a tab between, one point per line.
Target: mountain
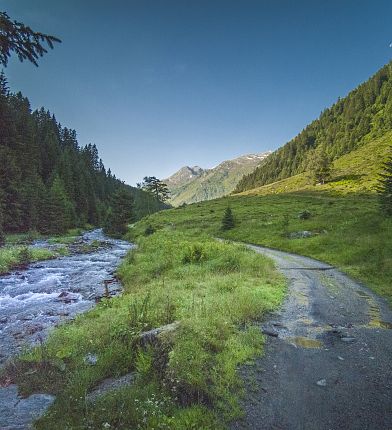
184	176
194	184
363	115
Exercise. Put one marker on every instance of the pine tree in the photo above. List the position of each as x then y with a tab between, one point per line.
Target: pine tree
156	187
385	187
228	219
47	182
22	40
319	165
2	236
60	209
120	213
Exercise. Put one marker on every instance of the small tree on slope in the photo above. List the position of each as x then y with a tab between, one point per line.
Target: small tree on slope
319	165
385	187
228	219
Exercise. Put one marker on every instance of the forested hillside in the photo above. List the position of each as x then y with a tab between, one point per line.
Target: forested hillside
364	114
48	182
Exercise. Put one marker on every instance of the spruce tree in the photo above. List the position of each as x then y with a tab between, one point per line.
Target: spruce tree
15	37
385	187
228	219
120	213
319	165
2	236
60	209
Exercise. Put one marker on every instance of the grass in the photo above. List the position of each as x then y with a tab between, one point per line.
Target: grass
187	381
356	172
348	230
16	255
69	238
217	291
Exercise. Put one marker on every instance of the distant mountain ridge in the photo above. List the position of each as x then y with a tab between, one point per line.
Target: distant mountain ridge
183	176
195	184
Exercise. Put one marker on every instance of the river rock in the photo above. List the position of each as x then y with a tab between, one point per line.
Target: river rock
300	234
17	413
157	335
91	359
110	384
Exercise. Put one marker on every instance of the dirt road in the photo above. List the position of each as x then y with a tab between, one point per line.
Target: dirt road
328	357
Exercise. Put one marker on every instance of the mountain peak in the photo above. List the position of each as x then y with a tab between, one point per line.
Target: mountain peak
193	184
183	176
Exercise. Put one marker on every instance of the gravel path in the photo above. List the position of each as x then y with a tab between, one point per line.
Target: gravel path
328	356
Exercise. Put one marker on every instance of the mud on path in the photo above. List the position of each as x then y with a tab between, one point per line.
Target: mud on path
328	356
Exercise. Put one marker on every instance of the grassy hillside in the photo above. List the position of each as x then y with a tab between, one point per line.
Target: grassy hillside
346	230
357	171
362	116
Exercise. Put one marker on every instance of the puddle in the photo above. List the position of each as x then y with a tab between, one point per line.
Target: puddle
374	313
305	342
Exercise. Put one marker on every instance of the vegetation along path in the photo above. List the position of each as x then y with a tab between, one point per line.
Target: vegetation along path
327	362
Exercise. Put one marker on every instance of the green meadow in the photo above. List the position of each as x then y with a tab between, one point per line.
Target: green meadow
347	231
216	292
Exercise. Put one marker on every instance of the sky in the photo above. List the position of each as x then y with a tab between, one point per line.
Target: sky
159	84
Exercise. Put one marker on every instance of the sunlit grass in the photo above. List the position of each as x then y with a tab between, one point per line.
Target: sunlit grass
347	231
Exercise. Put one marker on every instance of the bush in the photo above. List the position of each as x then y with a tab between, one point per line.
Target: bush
194	254
25	256
149	230
305	214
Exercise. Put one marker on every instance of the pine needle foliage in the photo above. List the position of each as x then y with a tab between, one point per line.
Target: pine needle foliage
16	37
228	219
385	187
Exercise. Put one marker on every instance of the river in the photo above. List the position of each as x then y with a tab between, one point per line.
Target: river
44	295
49	292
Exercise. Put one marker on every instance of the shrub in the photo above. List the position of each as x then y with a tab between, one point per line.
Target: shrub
194	254
149	230
304	214
25	256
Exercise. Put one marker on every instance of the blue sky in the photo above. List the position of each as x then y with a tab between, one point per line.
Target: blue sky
158	84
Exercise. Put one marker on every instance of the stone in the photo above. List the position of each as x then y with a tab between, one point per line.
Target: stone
156	335
270	333
300	234
91	359
110	384
322	382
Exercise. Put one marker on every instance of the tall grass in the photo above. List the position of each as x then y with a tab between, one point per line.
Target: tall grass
12	256
216	291
347	231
